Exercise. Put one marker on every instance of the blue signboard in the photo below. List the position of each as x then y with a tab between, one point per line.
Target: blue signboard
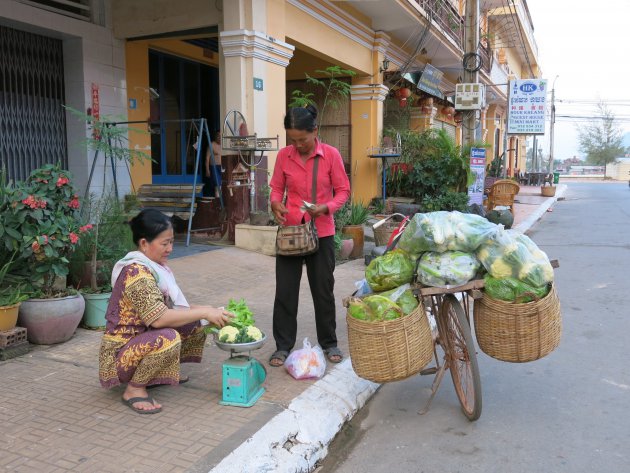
478	169
430	81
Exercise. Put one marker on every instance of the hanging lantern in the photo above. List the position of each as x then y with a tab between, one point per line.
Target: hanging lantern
448	111
404	92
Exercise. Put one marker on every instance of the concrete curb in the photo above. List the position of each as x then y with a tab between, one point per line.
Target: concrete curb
541	210
294	440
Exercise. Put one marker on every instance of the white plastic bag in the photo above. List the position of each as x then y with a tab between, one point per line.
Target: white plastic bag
307	362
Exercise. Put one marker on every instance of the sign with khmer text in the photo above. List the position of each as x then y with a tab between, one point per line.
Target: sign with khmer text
526	107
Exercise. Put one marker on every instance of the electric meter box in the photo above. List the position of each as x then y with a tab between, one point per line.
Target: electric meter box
470	96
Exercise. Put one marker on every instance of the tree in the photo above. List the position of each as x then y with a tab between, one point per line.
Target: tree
601	140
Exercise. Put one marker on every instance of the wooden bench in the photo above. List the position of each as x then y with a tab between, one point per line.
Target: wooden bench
170	199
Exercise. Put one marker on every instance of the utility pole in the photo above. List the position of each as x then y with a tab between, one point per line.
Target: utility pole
471	47
553	121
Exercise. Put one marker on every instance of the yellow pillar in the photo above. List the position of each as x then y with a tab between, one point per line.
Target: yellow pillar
253	50
367	95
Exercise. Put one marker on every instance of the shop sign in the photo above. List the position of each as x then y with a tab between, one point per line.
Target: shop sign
430	81
478	170
527	104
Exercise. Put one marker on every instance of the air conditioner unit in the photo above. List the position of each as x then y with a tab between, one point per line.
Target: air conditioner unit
470	96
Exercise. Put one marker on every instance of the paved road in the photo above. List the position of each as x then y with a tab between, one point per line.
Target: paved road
568	412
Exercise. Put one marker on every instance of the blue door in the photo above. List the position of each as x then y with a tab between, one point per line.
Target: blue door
181	90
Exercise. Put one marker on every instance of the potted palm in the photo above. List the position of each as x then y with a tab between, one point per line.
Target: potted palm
42	224
358	216
106	240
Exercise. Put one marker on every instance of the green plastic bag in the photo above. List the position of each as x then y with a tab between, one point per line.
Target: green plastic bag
383	308
389	271
403	297
448	269
360	310
511	289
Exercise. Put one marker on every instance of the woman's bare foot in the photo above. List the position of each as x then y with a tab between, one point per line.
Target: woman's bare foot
144	402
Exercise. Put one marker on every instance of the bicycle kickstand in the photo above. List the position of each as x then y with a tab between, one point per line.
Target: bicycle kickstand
434	387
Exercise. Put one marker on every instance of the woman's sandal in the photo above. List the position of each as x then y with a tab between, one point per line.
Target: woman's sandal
333	354
278	357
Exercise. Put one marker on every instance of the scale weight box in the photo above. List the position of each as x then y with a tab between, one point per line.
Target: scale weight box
243	375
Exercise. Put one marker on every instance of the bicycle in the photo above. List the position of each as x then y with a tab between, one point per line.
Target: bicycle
452	319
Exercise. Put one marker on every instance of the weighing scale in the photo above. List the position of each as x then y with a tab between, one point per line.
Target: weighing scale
243	375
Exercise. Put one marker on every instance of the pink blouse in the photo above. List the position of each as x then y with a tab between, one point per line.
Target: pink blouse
333	187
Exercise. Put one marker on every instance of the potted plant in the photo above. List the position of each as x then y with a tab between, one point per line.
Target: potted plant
11	296
358	216
343	245
41	223
107	239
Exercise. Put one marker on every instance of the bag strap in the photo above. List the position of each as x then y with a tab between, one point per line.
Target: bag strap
314	186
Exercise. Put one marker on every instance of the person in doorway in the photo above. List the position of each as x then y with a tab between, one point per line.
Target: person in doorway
151	328
293	173
212	175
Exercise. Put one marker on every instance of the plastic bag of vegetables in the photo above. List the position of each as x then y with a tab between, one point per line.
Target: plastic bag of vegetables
451	268
510	254
403	297
445	231
389	271
510	289
382	308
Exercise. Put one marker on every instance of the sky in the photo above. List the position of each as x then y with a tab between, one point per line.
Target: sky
586	44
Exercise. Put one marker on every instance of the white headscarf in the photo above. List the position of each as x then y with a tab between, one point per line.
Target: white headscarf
163	277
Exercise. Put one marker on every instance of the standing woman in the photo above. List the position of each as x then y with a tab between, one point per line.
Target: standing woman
151	328
293	173
212	179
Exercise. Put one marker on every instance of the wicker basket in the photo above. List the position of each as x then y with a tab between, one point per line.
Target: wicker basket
391	350
384	232
515	332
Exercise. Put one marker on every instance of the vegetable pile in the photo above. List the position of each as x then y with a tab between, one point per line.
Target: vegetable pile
240	329
388	305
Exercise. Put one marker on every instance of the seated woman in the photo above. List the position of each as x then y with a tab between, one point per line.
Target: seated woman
151	328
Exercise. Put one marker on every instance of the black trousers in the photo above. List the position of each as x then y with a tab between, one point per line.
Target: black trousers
319	269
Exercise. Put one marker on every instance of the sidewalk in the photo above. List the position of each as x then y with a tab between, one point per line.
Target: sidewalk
54	417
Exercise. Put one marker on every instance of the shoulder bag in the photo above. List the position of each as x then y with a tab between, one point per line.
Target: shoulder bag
299	240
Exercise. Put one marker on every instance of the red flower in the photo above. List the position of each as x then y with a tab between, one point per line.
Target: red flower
45	239
74	203
34	203
85	228
73	238
63	180
35	246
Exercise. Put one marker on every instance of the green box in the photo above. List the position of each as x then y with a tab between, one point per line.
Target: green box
556	177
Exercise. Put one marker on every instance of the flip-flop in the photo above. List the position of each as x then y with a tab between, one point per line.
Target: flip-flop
131	401
280	355
181	381
333	354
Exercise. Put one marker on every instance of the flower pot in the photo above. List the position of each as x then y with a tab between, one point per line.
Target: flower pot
95	309
51	321
8	316
346	249
549	191
357	234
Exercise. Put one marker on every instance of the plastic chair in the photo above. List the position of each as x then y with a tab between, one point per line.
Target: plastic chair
502	193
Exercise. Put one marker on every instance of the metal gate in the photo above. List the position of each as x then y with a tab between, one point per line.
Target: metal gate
32	117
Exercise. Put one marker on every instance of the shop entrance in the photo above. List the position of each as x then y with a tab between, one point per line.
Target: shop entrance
180	90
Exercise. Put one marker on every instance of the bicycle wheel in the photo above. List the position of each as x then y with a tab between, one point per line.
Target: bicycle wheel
461	356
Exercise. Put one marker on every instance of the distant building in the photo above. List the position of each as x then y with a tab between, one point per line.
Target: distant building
619	170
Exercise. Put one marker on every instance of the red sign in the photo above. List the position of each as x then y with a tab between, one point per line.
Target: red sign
96	114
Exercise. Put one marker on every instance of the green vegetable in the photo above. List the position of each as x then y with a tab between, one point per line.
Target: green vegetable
451	268
391	270
359	310
510	289
243	317
383	308
502	217
406	301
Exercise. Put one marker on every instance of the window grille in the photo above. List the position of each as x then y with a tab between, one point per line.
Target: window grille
75	8
32	117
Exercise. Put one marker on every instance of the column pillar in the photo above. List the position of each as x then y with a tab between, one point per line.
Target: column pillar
249	51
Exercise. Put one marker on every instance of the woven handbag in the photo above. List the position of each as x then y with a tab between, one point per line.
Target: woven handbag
299	240
518	332
390	350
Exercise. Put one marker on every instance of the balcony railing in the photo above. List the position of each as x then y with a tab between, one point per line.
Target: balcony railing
447	17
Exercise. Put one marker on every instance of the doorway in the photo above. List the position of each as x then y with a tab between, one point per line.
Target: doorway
180	90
